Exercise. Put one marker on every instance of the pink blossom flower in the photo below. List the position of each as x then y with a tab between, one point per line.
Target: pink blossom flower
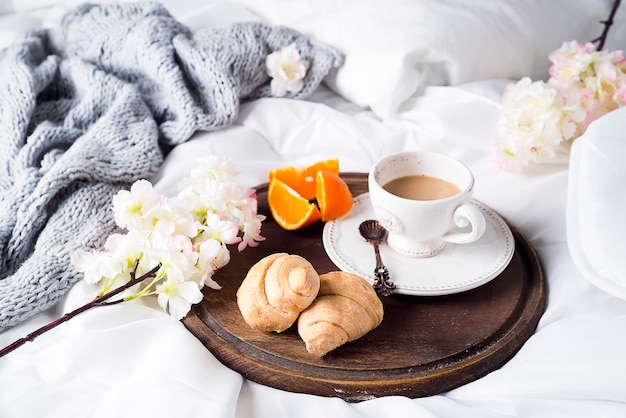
539	119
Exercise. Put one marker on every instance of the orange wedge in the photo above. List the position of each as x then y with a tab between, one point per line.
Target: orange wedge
290	210
333	195
302	179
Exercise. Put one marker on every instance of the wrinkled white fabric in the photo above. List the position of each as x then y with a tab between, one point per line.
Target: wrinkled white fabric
70	143
105	360
134	360
396	47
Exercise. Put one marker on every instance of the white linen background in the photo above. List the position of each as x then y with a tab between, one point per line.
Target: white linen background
134	360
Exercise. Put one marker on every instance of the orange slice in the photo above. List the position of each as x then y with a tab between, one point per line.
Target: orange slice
333	195
302	179
290	210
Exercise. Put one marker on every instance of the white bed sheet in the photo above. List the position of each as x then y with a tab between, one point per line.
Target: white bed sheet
133	359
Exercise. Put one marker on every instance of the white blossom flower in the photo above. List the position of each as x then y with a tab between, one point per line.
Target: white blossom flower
168	220
221	230
211	196
213	256
177	256
213	167
176	297
96	265
571	61
539	120
598	76
131	207
535	120
251	232
287	70
127	248
184	239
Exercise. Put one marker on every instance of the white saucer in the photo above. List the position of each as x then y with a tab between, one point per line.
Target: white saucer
458	268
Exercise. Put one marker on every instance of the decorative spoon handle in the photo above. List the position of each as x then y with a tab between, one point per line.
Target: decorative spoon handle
374	233
382	284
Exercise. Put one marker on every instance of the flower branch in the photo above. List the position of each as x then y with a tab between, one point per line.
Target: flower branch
186	238
540	120
101	300
601	40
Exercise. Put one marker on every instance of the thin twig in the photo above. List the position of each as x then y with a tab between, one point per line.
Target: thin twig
102	300
607	25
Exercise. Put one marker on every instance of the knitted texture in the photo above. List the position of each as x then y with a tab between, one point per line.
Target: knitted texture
91	106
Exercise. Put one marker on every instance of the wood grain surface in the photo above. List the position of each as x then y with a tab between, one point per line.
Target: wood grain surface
424	346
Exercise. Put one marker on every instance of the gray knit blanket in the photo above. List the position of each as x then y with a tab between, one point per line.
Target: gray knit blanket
90	106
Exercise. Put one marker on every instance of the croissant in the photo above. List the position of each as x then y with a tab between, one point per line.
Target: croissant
346	308
275	290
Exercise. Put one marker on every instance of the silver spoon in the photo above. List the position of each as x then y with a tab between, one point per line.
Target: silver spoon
374	233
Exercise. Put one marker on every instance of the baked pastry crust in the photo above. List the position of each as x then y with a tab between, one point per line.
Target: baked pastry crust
275	290
346	308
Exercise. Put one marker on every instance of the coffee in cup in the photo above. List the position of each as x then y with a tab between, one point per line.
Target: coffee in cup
421	187
423	200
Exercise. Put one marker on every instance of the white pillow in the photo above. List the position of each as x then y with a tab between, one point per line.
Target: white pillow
596	205
394	47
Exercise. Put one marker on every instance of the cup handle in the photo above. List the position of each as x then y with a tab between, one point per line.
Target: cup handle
465	215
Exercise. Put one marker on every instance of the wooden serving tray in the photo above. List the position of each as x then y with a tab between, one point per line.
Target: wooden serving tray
424	346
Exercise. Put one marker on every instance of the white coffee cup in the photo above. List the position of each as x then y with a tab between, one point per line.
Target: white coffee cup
421	228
